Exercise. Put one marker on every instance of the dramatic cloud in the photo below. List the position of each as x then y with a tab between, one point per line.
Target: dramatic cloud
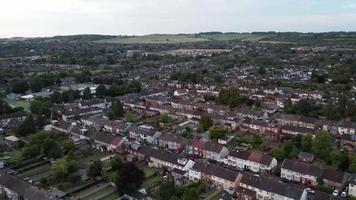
62	17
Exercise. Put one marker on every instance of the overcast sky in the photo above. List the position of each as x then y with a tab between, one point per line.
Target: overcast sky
138	17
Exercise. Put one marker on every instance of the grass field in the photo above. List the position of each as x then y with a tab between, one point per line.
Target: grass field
154	39
18	103
184	38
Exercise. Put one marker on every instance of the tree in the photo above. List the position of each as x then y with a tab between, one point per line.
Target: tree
4	107
129	178
278	154
230	96
68	146
262	70
101	91
340	73
116	163
95	169
87	94
289	149
257	141
339	160
117	110
36	83
307	143
167	189
191	194
63	167
51	148
135	86
19	86
27	127
164	118
129	117
352	166
205	122
322	145
41	108
56	97
217	132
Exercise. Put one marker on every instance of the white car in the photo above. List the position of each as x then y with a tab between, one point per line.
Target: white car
309	190
343	194
335	193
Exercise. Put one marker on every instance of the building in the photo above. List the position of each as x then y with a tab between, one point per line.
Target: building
300	172
172	142
14	188
170	161
207	150
266	188
216	174
254	161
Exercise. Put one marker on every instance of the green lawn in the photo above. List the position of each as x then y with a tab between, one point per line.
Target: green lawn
18	103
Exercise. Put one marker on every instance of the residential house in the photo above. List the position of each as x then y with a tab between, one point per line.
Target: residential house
143	134
266	188
216	174
172	142
254	161
207	150
12	187
170	161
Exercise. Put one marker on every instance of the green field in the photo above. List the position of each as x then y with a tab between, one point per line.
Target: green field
18	103
154	39
184	38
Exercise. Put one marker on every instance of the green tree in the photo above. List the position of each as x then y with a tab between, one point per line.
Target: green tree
278	154
116	163
164	118
257	141
352	166
4	107
129	117
64	167
167	189
87	94
68	146
289	149
307	143
36	83
205	122
129	178
19	86
217	132
339	160
117	110
135	86
101	91
322	145
95	169
25	128
56	97
340	73
191	194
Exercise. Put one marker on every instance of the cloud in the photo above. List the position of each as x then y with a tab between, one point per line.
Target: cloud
55	17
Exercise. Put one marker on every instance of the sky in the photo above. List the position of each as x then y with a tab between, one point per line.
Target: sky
33	18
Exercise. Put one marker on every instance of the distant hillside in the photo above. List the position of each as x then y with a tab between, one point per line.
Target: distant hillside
266	37
183	38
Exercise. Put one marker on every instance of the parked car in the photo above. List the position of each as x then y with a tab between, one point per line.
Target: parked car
335	193
343	194
309	190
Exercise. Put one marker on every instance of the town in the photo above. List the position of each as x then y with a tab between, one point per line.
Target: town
247	116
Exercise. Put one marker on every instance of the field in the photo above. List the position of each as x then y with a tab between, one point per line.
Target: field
184	38
154	39
18	103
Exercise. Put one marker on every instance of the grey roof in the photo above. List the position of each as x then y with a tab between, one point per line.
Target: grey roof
302	168
23	188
